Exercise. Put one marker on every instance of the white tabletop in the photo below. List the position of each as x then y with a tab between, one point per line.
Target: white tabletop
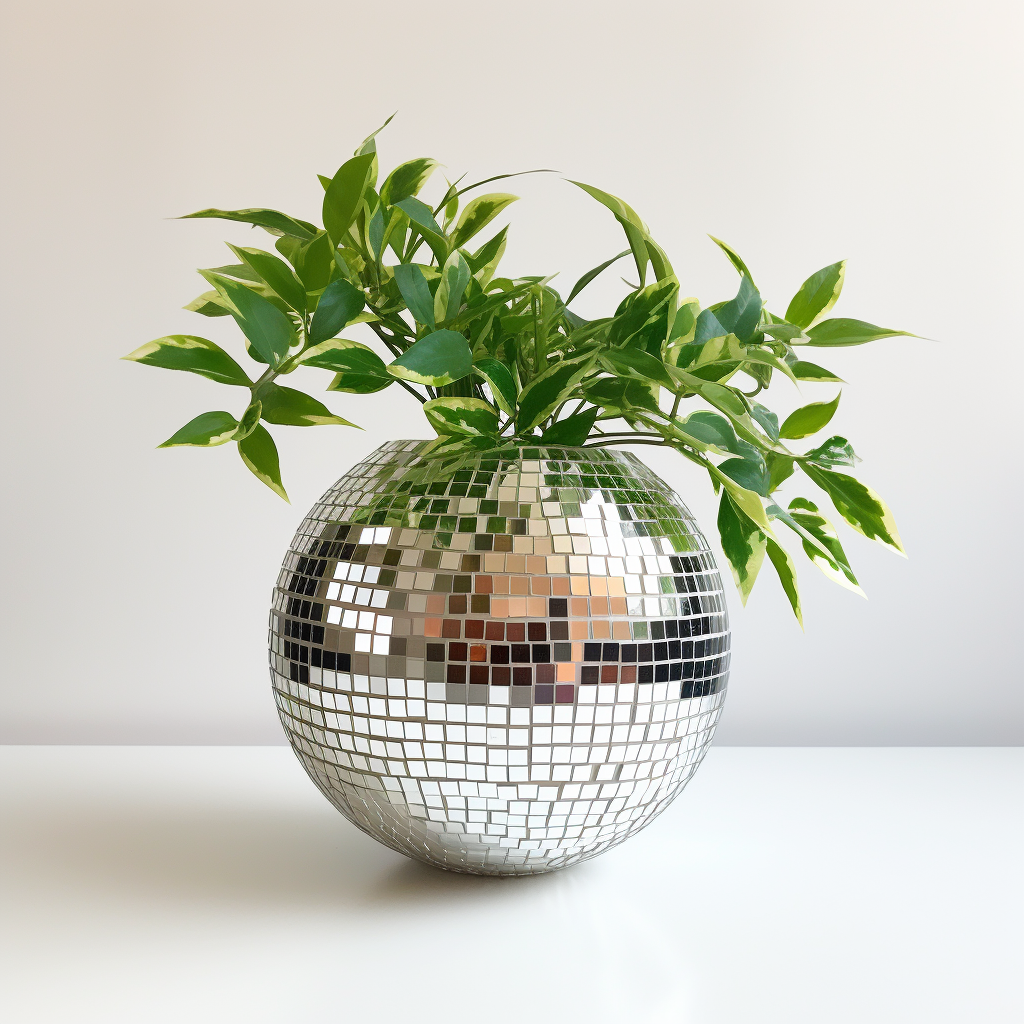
195	884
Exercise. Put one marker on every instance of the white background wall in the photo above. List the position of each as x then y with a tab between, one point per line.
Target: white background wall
136	582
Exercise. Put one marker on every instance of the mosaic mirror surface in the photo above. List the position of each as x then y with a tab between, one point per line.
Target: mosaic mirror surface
504	668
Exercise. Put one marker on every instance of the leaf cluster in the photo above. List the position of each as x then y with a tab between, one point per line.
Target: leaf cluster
499	361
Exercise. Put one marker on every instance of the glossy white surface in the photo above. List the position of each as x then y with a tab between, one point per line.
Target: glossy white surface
792	885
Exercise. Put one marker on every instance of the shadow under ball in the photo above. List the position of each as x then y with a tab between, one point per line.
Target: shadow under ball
500	668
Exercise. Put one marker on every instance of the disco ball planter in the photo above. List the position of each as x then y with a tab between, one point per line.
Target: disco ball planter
505	650
502	669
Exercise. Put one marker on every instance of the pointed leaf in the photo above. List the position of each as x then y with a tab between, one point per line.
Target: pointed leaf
339	305
455	277
359	370
461	416
270	220
484	262
810	371
249	421
820	541
787	576
295	408
406	180
740	316
205	431
842	332
313	262
749	473
478	214
809	419
743	544
269	331
196	355
345	194
438	359
734	257
278	276
836	451
208	304
817	295
591	274
259	453
573	431
501	382
415	292
369	144
547	391
859	505
422	217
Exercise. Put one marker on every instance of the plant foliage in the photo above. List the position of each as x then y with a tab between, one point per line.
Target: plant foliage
500	361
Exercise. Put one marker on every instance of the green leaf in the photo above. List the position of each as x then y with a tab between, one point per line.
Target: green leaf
345	194
810	371
375	232
484	262
787	576
632	362
734	257
809	419
572	431
501	382
478	214
643	317
415	292
591	274
780	469
205	431
270	220
751	474
455	277
841	332
249	421
713	428
259	453
621	395
313	262
196	355
636	234
406	180
208	304
547	391
836	451
296	409
461	416
784	332
359	370
269	331
860	506
743	544
707	327
747	501
438	359
820	541
339	305
817	295
369	144
278	276
767	419
740	316
421	215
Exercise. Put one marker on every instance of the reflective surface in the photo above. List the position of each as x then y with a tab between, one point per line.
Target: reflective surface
505	668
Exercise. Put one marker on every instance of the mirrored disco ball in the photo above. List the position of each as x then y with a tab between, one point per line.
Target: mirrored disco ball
502	668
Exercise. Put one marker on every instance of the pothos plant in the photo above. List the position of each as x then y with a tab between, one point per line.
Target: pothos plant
500	362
